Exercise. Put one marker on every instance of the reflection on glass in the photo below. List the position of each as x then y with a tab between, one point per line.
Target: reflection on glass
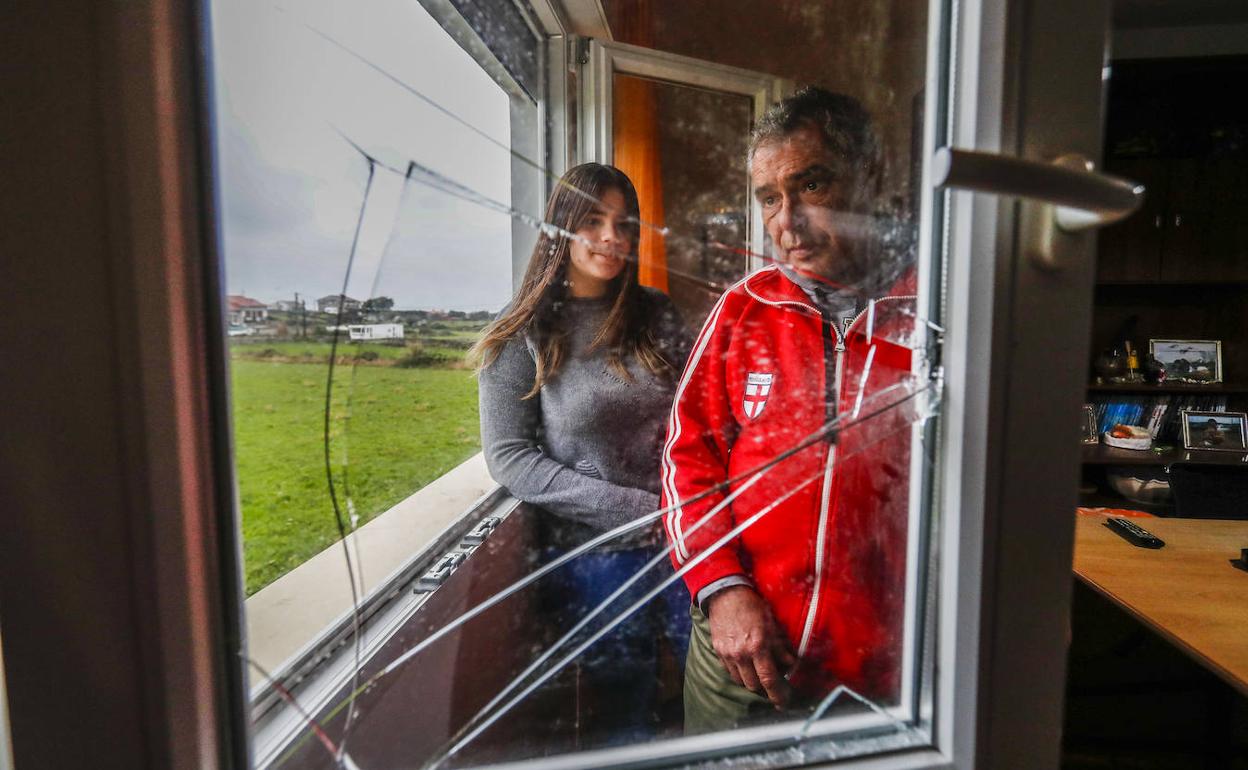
685	150
873	51
782	620
576	384
784	478
713	526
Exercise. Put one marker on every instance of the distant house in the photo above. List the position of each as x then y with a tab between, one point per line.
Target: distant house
245	310
287	306
330	302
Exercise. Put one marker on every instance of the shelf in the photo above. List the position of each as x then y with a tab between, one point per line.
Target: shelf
1100	454
1234	283
1144	387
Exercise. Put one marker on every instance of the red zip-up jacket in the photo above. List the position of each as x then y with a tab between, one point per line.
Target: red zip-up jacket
829	550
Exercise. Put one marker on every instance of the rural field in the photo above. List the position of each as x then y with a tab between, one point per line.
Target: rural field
408	424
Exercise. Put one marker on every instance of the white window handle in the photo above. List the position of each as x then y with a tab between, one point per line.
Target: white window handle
1081	198
1084	198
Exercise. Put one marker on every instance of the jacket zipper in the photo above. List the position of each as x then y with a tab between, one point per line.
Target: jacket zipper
826	493
825	501
877	301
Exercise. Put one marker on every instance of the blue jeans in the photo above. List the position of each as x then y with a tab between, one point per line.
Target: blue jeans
623	665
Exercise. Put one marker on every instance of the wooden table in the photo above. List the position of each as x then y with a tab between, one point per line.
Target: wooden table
1187	591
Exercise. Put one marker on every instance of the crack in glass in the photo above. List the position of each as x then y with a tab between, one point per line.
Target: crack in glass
481	722
892	400
892	235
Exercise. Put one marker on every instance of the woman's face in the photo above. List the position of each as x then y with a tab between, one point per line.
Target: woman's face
599	257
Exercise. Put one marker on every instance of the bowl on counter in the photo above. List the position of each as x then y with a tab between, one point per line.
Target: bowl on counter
1139	444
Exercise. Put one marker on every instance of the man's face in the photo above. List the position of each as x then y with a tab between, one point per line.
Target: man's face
801	187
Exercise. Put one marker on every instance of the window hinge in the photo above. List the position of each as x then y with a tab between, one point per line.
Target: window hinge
437	574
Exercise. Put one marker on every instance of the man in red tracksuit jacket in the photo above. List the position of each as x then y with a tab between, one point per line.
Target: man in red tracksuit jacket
810	595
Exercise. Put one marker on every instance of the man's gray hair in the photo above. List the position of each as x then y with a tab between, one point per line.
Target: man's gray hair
842	121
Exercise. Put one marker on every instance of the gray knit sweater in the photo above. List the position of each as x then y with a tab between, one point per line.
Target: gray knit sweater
586	448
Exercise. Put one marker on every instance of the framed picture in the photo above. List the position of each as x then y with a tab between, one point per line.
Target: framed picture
1197	361
1088	425
1219	431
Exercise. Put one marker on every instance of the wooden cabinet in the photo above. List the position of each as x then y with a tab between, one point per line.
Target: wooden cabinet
1224	247
1131	250
1176	128
1184	223
1178	268
1193	226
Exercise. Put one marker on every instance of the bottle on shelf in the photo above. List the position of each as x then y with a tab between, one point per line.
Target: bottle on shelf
1133	363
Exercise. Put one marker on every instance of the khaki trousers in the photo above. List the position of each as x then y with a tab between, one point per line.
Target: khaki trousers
712	700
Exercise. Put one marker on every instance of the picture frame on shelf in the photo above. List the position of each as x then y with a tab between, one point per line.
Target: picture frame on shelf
1090	434
1215	431
1190	361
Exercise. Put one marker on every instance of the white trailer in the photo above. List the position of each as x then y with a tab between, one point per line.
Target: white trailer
369	332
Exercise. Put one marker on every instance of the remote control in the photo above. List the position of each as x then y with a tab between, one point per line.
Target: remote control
1135	534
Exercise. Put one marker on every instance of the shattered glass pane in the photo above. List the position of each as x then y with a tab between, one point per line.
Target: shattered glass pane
624	460
530	707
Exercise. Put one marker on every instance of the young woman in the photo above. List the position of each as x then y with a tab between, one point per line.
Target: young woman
577	377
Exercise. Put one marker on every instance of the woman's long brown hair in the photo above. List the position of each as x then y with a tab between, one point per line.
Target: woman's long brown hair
538	305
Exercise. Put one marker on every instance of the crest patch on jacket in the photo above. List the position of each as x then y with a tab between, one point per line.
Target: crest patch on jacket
757	388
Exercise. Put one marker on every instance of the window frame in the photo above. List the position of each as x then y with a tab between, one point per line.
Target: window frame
602	60
182	582
327	665
529	115
980	615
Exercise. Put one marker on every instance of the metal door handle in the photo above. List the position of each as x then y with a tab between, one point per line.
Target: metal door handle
1078	198
1084	198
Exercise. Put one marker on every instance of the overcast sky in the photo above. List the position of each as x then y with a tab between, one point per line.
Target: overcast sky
292	186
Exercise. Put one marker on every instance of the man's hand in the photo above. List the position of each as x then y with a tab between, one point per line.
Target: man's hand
748	642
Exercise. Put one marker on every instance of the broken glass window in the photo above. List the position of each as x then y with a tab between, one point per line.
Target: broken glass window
640	474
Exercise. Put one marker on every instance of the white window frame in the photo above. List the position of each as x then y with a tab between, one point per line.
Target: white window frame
530	114
607	59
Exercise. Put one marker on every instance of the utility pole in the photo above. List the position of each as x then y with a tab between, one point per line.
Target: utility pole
303	312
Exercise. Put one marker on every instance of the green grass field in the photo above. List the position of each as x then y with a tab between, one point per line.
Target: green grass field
406	428
451	348
312	349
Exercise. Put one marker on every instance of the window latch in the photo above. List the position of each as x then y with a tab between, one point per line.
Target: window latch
1077	197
